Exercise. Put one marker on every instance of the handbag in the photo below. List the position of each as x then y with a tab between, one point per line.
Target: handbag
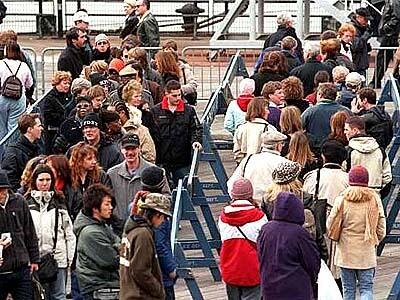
336	227
319	206
48	266
38	291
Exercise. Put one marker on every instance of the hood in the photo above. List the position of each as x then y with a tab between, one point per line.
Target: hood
379	112
288	208
363	144
356	24
243	101
135	221
82	221
241	212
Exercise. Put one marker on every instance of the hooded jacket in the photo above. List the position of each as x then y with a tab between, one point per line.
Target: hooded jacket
97	255
139	268
239	261
289	258
235	114
379	125
365	151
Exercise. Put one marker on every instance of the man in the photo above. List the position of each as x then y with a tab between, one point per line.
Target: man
97	246
365	151
316	119
131	20
24	149
126	176
361	47
378	122
258	167
102	49
180	131
140	270
73	58
81	21
272	91
21	249
147	30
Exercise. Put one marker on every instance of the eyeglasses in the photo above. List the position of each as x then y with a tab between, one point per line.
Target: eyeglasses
137	6
102	43
80	106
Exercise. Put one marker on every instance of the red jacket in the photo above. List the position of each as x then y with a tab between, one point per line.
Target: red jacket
239	261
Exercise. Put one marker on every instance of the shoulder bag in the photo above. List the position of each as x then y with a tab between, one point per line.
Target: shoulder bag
336	228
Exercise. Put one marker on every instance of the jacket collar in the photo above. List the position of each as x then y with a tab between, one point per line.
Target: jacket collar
165	106
332	166
123	170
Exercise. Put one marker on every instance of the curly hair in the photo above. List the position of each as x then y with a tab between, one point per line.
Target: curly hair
330	47
272	191
167	63
290	121
347	27
79	153
339	74
59	76
293	88
274	61
131	87
270	88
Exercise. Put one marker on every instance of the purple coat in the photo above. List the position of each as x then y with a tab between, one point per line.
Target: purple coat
289	258
274	116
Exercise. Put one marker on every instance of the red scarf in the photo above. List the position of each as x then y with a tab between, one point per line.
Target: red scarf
244	100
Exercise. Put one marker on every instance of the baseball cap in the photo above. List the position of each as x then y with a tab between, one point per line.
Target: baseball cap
130	140
157	202
81	16
363	12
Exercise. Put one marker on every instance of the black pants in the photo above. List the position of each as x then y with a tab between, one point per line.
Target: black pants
169	292
383	59
18	284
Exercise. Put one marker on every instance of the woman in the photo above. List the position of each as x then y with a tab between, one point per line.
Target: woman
54	107
293	89
337	127
53	226
131	20
331	56
140	55
290	122
27	173
12	64
346	34
363	226
59	164
300	152
247	139
97	96
273	68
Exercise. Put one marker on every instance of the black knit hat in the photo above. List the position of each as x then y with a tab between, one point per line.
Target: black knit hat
4	183
152	179
108	116
92	120
96	78
334	152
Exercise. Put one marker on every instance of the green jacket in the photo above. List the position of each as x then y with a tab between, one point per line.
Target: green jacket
97	254
148	32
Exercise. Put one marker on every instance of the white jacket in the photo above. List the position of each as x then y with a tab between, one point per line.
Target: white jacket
43	211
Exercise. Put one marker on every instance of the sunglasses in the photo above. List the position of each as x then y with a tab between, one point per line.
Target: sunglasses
80	106
102	43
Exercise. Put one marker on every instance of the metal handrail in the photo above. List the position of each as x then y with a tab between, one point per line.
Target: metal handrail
177	214
193	169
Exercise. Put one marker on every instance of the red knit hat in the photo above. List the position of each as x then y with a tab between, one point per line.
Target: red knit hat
358	176
242	189
116	64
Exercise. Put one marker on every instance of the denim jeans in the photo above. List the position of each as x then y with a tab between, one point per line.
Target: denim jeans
10	111
56	290
236	292
169	292
365	280
18	284
75	290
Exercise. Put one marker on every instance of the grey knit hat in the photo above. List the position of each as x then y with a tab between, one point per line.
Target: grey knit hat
286	172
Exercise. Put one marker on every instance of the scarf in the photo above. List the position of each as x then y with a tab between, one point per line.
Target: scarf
244	100
42	197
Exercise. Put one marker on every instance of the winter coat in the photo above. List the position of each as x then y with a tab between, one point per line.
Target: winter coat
140	271
345	96
365	151
306	73
128	185
106	56
239	261
97	255
247	139
291	59
374	118
53	108
152	75
360	46
43	211
274	115
188	81
131	23
340	60
16	219
262	78
316	119
148	31
353	250
147	146
16	157
69	134
72	60
389	25
234	116
258	169
178	131
289	258
301	104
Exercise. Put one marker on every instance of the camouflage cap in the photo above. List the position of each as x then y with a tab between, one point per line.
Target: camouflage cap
158	202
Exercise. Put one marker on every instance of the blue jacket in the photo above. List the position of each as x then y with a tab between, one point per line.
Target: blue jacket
164	251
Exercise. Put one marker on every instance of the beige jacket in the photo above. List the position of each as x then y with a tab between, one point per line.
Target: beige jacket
147	147
247	138
353	250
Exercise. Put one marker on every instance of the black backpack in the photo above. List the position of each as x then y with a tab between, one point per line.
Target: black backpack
12	86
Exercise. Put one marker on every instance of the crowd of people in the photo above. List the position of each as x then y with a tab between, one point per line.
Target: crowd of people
85	190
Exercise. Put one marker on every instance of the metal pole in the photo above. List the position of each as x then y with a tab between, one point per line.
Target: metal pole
60	19
260	17
211	12
40	18
307	8
78	3
253	21
300	25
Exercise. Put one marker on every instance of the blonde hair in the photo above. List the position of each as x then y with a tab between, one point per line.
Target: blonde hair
339	73
299	149
274	189
290	121
131	87
59	76
96	91
99	66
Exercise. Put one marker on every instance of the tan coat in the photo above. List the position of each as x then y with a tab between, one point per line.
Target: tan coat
353	251
147	147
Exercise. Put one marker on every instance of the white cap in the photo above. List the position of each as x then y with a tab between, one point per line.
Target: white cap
283	18
100	37
81	16
354	79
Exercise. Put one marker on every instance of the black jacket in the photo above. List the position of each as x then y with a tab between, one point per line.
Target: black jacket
300	104
390	21
16	157
292	61
16	219
106	56
131	24
378	124
53	108
340	60
262	78
360	46
70	133
178	130
72	60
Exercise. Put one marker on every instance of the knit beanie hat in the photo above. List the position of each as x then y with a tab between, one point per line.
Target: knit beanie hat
242	189
286	172
91	119
358	176
152	179
97	78
116	64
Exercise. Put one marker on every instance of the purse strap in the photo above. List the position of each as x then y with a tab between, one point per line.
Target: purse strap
317	184
55	230
246	238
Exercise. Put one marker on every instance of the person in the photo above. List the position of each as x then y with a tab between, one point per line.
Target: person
331	56
147	30
53	107
53	226
97	96
72	59
346	34
363	227
273	68
361	46
289	258
138	251
125	177
293	89
337	127
11	109
59	164
364	150
339	74
134	95
272	91
239	225
247	138
131	21
112	126
258	167
378	122
320	77
25	148
81	21
27	173
98	246
140	55
289	46
352	85
21	254
316	119
236	112
290	123
180	131
102	48
79	87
